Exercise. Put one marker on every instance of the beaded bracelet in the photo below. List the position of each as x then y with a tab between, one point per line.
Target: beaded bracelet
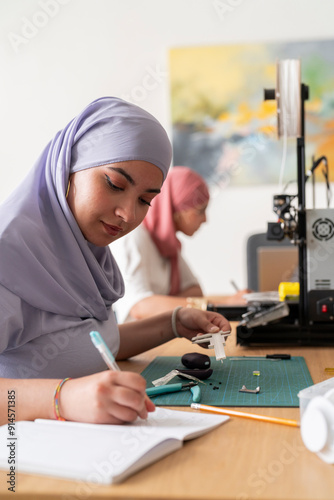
56	398
176	333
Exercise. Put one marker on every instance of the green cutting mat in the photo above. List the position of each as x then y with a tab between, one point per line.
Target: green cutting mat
279	381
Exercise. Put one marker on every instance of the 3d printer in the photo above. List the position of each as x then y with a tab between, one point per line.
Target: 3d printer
310	318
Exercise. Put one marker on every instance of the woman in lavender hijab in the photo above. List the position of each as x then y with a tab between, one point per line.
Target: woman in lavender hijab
92	184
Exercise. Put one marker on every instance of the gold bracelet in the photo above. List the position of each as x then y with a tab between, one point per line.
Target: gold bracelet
197	303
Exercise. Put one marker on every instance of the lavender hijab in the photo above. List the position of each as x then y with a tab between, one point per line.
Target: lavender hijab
44	258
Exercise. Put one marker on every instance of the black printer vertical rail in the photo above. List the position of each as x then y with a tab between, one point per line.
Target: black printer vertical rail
302	264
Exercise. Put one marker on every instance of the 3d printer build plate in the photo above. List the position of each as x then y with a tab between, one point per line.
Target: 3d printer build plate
279	382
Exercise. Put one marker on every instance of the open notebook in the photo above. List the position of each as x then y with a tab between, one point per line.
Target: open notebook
101	453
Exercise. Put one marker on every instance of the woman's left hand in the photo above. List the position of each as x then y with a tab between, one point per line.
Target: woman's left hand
190	322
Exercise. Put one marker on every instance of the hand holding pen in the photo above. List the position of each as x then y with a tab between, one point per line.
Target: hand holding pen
107	397
128	399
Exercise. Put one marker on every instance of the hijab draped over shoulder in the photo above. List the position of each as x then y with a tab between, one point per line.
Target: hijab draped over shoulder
183	189
45	259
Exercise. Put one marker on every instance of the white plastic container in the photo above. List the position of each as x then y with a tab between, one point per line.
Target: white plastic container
311	392
317	419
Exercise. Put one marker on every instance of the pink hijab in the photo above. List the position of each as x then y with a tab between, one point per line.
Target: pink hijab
182	189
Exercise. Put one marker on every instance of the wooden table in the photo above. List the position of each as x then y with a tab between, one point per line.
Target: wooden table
241	460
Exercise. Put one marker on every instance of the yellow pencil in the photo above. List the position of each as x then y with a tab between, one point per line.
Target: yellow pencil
232	413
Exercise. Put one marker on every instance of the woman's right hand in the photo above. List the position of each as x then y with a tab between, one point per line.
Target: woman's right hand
108	397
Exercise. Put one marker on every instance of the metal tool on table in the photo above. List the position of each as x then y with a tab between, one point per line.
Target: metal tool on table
270	357
257	316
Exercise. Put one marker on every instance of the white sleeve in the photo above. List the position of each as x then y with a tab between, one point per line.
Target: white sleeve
187	277
144	271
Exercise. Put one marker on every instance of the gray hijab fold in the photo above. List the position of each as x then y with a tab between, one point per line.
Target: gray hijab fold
44	258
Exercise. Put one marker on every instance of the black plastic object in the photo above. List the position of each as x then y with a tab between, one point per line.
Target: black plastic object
196	360
202	374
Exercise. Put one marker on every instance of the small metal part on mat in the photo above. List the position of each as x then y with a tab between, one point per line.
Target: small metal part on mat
256	372
250	391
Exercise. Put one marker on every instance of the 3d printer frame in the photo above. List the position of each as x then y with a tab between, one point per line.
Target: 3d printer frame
297	327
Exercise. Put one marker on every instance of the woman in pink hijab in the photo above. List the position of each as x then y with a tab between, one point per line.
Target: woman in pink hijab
181	208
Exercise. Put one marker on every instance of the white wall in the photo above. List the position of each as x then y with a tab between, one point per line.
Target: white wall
58	55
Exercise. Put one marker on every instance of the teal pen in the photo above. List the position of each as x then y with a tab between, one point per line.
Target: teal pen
104	350
164	389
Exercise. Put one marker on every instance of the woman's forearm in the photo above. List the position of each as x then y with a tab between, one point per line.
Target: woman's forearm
108	397
26	399
192	291
139	336
157	304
